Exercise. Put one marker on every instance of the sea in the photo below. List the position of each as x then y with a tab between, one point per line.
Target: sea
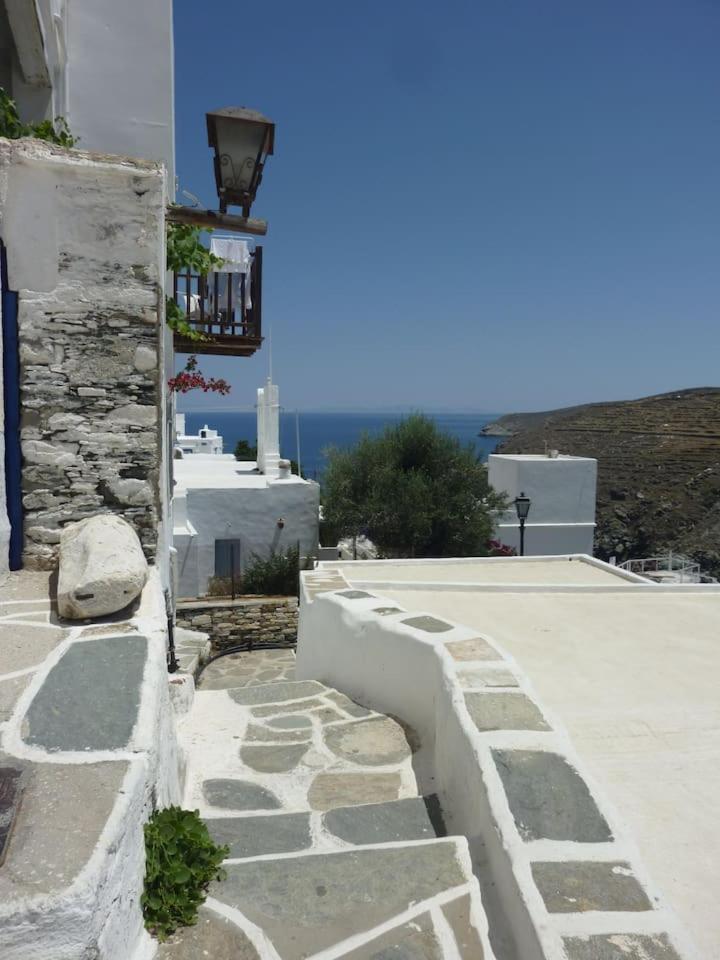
318	431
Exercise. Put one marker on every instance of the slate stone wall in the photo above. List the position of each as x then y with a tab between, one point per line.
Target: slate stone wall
85	240
262	620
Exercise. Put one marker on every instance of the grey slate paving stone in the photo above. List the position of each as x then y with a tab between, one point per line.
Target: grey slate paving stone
280	709
239	795
348	705
90	698
354	594
277	692
64	810
329	790
373	742
415	940
290	723
475	649
256	732
10	691
548	798
386	611
457	914
212	936
407	819
24	645
428	624
620	946
306	904
504	711
11	787
328	715
579	886
473	677
267	758
254	836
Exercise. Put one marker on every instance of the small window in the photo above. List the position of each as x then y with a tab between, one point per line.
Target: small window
227	558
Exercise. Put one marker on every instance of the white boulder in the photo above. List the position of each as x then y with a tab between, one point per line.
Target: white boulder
102	567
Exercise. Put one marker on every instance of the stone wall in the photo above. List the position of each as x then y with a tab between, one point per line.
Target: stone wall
85	243
262	620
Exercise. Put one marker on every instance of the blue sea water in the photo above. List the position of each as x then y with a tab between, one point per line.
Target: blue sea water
321	430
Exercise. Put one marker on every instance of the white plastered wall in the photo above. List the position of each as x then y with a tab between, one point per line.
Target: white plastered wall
249	515
562	491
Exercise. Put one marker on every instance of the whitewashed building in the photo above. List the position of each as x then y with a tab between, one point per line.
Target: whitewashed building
562	493
225	512
206	441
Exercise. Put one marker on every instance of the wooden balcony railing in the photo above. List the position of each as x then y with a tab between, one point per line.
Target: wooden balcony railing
223	309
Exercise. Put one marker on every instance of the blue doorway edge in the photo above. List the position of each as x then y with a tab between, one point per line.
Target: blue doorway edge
11	402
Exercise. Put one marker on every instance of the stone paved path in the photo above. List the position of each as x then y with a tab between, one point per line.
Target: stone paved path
333	852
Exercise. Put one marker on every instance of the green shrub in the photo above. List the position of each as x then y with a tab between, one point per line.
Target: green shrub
276	576
180	861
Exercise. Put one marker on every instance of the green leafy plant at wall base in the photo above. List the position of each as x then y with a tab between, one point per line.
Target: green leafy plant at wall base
180	862
12	127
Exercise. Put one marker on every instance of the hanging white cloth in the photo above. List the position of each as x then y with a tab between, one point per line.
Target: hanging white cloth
236	257
233	251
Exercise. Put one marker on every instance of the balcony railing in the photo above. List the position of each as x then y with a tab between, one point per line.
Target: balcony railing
225	308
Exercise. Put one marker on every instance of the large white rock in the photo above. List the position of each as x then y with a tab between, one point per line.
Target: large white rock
102	567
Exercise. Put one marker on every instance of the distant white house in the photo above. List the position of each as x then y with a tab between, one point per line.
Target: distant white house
562	492
206	440
225	511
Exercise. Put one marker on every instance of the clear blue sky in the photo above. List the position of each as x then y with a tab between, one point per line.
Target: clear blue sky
488	205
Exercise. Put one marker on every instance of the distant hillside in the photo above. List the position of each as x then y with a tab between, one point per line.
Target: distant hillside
658	468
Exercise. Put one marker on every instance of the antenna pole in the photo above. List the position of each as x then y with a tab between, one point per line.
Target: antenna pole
297	440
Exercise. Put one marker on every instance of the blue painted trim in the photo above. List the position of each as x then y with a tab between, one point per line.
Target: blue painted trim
11	398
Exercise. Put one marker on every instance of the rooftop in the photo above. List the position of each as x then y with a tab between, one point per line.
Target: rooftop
223	472
630	670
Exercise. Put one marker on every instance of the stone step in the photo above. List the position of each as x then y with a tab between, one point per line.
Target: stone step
414	818
414	901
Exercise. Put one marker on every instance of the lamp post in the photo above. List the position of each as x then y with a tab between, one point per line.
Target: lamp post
522	508
242	140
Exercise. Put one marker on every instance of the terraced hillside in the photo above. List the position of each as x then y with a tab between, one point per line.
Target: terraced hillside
658	469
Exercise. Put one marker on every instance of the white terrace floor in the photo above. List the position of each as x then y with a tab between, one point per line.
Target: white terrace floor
632	673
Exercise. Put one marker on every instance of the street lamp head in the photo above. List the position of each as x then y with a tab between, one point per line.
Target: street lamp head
522	506
242	140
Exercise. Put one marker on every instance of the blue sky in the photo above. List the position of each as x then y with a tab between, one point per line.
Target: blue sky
473	205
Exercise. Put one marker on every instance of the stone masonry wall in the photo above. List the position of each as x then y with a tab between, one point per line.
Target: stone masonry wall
85	241
262	620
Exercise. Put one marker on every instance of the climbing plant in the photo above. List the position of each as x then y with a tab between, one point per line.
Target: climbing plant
185	251
180	862
12	127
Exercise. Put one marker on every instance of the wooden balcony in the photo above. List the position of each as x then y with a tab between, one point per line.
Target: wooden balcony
222	309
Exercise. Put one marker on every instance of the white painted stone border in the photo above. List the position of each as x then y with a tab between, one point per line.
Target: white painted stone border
102	904
397	669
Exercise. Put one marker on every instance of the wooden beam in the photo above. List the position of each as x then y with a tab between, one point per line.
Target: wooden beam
213	219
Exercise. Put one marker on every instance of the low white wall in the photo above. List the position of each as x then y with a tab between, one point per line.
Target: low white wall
99	914
562	491
392	668
250	515
359	644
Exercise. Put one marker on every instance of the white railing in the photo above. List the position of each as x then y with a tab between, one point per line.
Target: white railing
683	569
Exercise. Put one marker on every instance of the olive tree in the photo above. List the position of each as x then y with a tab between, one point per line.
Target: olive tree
414	490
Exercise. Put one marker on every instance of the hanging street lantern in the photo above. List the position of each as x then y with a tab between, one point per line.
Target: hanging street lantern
522	509
242	140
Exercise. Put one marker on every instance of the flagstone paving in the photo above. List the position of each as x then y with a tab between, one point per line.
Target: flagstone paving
331	845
